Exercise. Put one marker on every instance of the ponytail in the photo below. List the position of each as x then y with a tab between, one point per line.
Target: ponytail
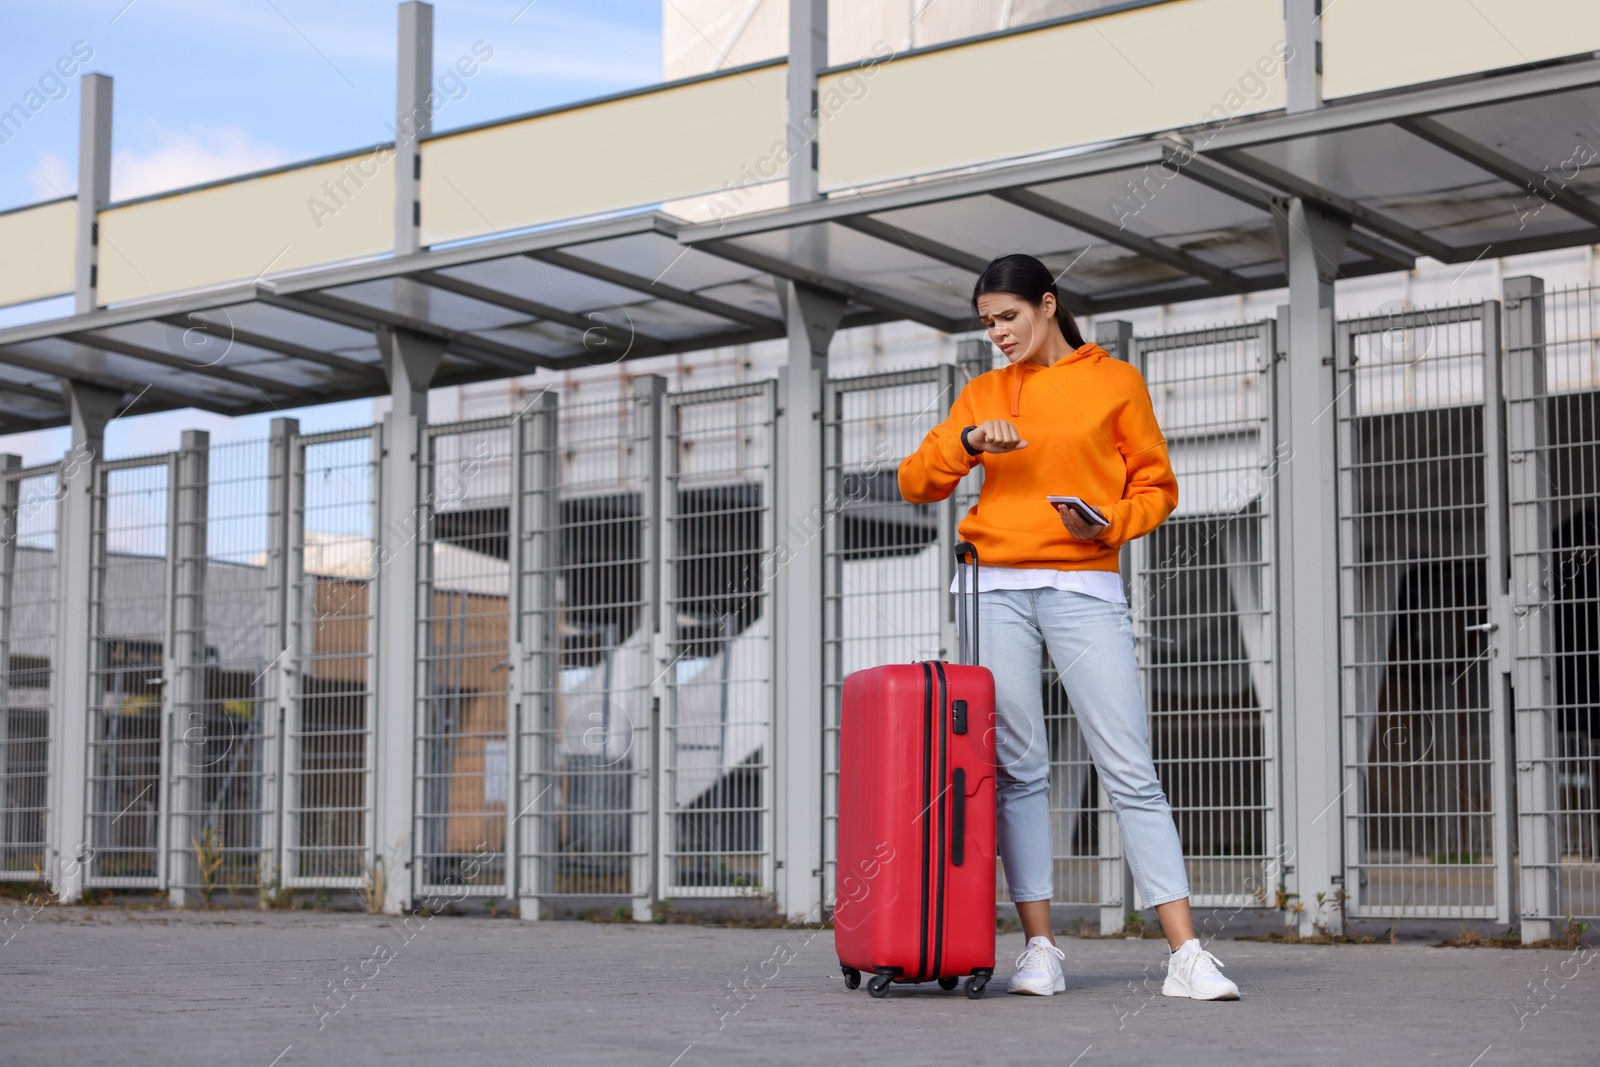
1068	324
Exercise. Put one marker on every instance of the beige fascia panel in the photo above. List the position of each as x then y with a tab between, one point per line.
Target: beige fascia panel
1059	87
37	245
300	217
685	141
1371	45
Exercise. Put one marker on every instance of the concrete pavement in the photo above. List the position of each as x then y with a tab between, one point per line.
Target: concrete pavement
114	986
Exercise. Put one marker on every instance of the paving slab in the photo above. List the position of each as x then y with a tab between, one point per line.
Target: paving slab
115	986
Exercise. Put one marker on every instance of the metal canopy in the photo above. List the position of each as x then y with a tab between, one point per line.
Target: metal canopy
578	295
1455	172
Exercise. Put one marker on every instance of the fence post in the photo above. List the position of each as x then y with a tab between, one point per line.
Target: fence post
648	391
11	829
537	657
1497	598
1529	542
664	647
277	678
512	843
186	657
1116	877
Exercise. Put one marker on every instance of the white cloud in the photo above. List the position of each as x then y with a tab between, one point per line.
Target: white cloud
172	160
180	158
52	177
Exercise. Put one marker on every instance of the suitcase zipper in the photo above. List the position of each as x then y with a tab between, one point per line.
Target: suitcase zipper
927	803
944	760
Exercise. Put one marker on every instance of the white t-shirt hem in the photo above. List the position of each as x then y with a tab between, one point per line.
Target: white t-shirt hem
1102	585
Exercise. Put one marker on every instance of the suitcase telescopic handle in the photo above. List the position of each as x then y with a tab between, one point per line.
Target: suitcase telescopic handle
967	615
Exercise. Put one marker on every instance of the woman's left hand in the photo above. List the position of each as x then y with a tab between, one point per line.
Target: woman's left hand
1077	526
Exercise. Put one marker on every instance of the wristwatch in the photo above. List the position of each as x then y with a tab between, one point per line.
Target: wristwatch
970	450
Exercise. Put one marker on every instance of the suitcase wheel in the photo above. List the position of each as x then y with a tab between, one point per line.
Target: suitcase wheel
852	977
975	985
949	983
878	985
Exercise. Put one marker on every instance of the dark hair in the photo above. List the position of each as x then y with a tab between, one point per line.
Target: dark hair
1025	278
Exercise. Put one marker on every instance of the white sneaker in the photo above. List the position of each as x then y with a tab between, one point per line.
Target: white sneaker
1039	970
1193	972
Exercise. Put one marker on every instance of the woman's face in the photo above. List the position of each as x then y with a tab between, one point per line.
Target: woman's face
1017	328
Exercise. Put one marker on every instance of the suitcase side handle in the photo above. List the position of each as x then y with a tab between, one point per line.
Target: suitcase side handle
958	817
967	616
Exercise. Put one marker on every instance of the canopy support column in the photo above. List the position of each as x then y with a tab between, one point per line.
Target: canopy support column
1312	240
813	317
70	852
1308	573
94	185
808	54
410	362
413	121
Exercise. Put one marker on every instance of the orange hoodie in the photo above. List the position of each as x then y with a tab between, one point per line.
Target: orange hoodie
1091	433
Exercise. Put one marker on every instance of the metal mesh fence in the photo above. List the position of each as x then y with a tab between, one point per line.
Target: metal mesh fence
463	751
27	635
886	566
592	483
1201	596
717	721
328	736
612	558
1553	423
129	631
220	657
1421	694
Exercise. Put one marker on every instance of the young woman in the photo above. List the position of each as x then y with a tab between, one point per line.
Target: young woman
1063	419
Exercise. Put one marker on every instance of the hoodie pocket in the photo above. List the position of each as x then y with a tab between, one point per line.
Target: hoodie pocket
1038	518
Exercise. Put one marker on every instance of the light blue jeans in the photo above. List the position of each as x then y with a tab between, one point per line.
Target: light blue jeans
1091	643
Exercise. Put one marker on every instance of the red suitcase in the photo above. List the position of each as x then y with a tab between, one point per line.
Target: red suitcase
915	886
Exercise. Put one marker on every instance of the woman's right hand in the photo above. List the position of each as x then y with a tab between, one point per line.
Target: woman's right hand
996	436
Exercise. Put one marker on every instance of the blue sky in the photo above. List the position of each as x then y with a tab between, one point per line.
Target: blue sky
200	83
209	88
